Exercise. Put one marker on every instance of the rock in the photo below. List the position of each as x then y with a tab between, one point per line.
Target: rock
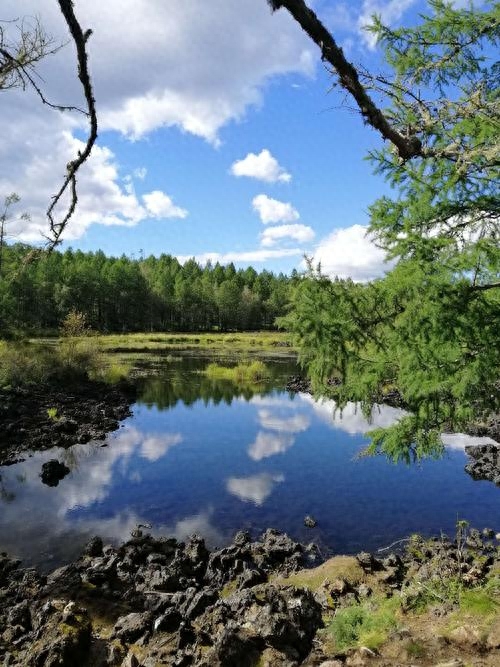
62	644
20	615
66	425
298	384
331	663
168	622
310	522
364	591
130	660
485	462
53	471
339	587
132	626
456	662
368	562
94	547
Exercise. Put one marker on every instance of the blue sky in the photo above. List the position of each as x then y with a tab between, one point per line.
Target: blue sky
185	90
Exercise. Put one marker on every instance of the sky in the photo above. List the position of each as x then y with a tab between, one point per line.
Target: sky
219	135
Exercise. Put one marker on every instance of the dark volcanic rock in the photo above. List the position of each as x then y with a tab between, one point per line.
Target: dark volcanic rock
297	383
485	463
53	472
85	411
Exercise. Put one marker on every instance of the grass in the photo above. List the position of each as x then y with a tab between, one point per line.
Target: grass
24	363
258	341
367	624
253	371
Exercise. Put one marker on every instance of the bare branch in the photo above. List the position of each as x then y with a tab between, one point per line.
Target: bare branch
80	39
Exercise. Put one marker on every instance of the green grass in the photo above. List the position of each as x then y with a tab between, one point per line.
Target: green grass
367	624
259	341
252	371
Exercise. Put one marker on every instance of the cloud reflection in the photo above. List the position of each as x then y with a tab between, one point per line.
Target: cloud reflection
269	444
351	419
255	489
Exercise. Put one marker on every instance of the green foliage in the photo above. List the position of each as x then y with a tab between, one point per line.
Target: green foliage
254	371
74	324
430	326
366	624
23	364
52	414
76	291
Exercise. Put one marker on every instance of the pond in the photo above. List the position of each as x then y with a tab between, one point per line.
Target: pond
212	457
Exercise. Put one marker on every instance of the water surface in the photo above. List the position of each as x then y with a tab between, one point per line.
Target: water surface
211	457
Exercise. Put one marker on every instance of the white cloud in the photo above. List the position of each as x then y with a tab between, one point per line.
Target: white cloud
350	253
159	205
256	488
300	233
272	210
263	167
390	11
244	256
191	65
103	196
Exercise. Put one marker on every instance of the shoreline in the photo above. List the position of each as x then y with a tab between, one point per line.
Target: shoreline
157	601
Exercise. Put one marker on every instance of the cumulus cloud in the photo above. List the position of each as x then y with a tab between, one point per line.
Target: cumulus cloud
191	65
390	11
350	253
300	233
104	197
272	210
263	167
159	205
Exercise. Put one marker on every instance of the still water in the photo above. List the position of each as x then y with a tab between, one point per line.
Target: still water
211	458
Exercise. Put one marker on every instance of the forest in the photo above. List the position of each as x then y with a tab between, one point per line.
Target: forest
127	295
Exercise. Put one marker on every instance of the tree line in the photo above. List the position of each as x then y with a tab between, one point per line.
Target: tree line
124	294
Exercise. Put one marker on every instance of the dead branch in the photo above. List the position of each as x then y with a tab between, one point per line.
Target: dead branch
80	39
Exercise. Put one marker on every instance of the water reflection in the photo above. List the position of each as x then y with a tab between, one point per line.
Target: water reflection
255	489
211	457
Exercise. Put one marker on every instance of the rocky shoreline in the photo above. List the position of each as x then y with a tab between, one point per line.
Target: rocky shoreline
45	416
157	602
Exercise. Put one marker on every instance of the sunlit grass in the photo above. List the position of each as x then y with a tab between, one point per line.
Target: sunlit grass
253	371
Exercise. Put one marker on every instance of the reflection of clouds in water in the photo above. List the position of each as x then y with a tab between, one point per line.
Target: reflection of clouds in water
269	444
119	527
274	422
92	468
351	419
255	488
461	440
155	447
281	420
271	401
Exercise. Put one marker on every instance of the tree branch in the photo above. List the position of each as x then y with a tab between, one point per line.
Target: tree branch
80	39
407	146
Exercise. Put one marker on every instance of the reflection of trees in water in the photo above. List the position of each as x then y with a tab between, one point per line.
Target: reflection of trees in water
5	494
186	383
